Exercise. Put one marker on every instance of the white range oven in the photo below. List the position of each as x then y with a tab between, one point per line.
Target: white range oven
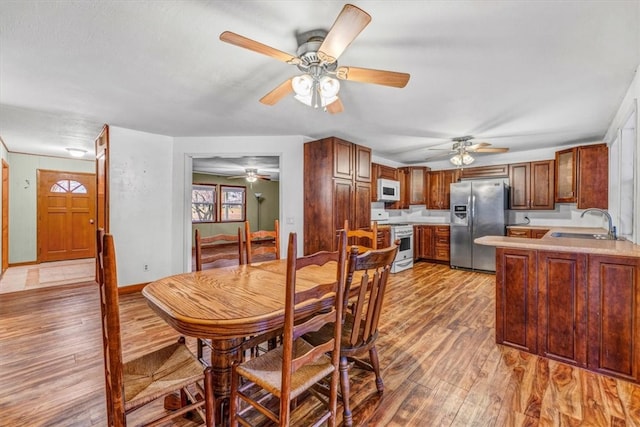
404	257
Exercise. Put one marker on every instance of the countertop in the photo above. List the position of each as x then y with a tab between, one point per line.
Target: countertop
534	227
565	244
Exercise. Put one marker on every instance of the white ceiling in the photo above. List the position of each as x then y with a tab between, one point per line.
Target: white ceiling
518	74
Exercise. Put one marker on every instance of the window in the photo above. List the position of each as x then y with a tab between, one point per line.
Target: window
203	203
232	203
68	186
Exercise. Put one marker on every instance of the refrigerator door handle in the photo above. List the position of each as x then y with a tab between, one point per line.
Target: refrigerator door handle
473	212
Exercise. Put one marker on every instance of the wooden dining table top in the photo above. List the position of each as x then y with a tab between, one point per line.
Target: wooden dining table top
230	302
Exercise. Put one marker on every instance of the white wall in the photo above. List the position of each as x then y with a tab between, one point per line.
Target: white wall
290	149
627	107
140	214
23	186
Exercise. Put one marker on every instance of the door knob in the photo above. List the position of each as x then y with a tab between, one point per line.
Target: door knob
91	221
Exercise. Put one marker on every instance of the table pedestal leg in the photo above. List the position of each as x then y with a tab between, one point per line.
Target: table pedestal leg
224	352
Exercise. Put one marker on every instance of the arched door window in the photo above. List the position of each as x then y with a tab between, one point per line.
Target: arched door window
68	186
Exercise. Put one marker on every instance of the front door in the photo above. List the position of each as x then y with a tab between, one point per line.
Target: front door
66	212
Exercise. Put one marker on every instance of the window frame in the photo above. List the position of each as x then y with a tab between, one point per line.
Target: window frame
214	209
218	204
221	204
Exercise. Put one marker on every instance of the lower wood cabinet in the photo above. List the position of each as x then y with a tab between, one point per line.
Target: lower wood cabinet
431	242
533	233
384	238
562	311
516	299
577	308
614	316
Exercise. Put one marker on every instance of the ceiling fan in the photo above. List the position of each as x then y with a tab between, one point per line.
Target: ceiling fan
316	57
251	175
461	148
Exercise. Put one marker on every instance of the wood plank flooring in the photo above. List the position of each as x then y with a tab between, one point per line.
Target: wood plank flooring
441	366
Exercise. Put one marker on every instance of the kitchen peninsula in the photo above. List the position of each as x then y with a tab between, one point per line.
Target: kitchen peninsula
575	300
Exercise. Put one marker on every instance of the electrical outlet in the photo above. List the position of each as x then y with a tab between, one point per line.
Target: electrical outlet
145	267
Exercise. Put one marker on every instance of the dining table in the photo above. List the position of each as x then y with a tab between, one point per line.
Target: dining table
227	305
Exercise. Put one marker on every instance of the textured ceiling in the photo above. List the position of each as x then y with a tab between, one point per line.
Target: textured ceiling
518	74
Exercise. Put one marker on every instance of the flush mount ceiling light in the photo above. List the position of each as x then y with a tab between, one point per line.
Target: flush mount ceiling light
76	152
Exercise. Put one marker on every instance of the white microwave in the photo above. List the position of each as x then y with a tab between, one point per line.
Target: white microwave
388	190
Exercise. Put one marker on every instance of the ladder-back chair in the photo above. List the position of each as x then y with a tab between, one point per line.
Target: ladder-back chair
131	385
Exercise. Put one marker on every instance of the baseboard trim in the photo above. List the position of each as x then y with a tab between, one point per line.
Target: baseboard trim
131	289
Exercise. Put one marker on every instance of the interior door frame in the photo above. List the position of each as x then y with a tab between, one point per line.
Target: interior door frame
5	216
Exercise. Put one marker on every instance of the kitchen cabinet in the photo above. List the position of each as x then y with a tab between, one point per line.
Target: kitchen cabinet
431	242
439	191
516	298
532	185
403	178
337	187
566	182
485	172
416	185
532	233
423	242
578	308
614	316
381	171
384	237
593	176
562	311
582	176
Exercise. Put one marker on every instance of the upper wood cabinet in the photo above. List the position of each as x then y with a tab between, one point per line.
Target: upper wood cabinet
593	176
439	188
492	171
415	185
566	181
337	187
582	176
532	185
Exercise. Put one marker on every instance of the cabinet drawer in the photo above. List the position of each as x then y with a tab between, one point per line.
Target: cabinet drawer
442	240
442	253
442	230
518	233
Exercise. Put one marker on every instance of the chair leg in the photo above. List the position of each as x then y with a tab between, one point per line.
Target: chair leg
209	399
347	420
233	399
373	356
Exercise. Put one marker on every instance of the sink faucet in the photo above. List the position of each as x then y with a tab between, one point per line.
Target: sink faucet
612	229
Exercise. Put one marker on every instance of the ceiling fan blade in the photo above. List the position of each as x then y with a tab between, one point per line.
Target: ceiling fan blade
335	107
475	146
491	150
247	43
367	75
438	156
278	93
349	23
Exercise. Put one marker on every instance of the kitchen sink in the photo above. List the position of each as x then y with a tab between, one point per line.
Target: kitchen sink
593	236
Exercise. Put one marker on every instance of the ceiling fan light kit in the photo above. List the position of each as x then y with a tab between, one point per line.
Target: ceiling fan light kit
461	159
317	55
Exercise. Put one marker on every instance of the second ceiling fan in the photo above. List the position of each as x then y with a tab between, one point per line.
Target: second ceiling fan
316	57
461	148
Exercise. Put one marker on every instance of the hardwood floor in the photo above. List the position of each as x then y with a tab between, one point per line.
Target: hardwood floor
440	363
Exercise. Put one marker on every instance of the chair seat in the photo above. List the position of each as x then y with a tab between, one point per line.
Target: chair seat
266	370
150	376
346	348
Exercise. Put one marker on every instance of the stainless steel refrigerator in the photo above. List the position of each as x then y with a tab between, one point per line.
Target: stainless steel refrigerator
478	208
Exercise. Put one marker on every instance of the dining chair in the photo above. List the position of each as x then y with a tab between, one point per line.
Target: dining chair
132	384
362	239
273	380
218	247
360	320
251	238
210	250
